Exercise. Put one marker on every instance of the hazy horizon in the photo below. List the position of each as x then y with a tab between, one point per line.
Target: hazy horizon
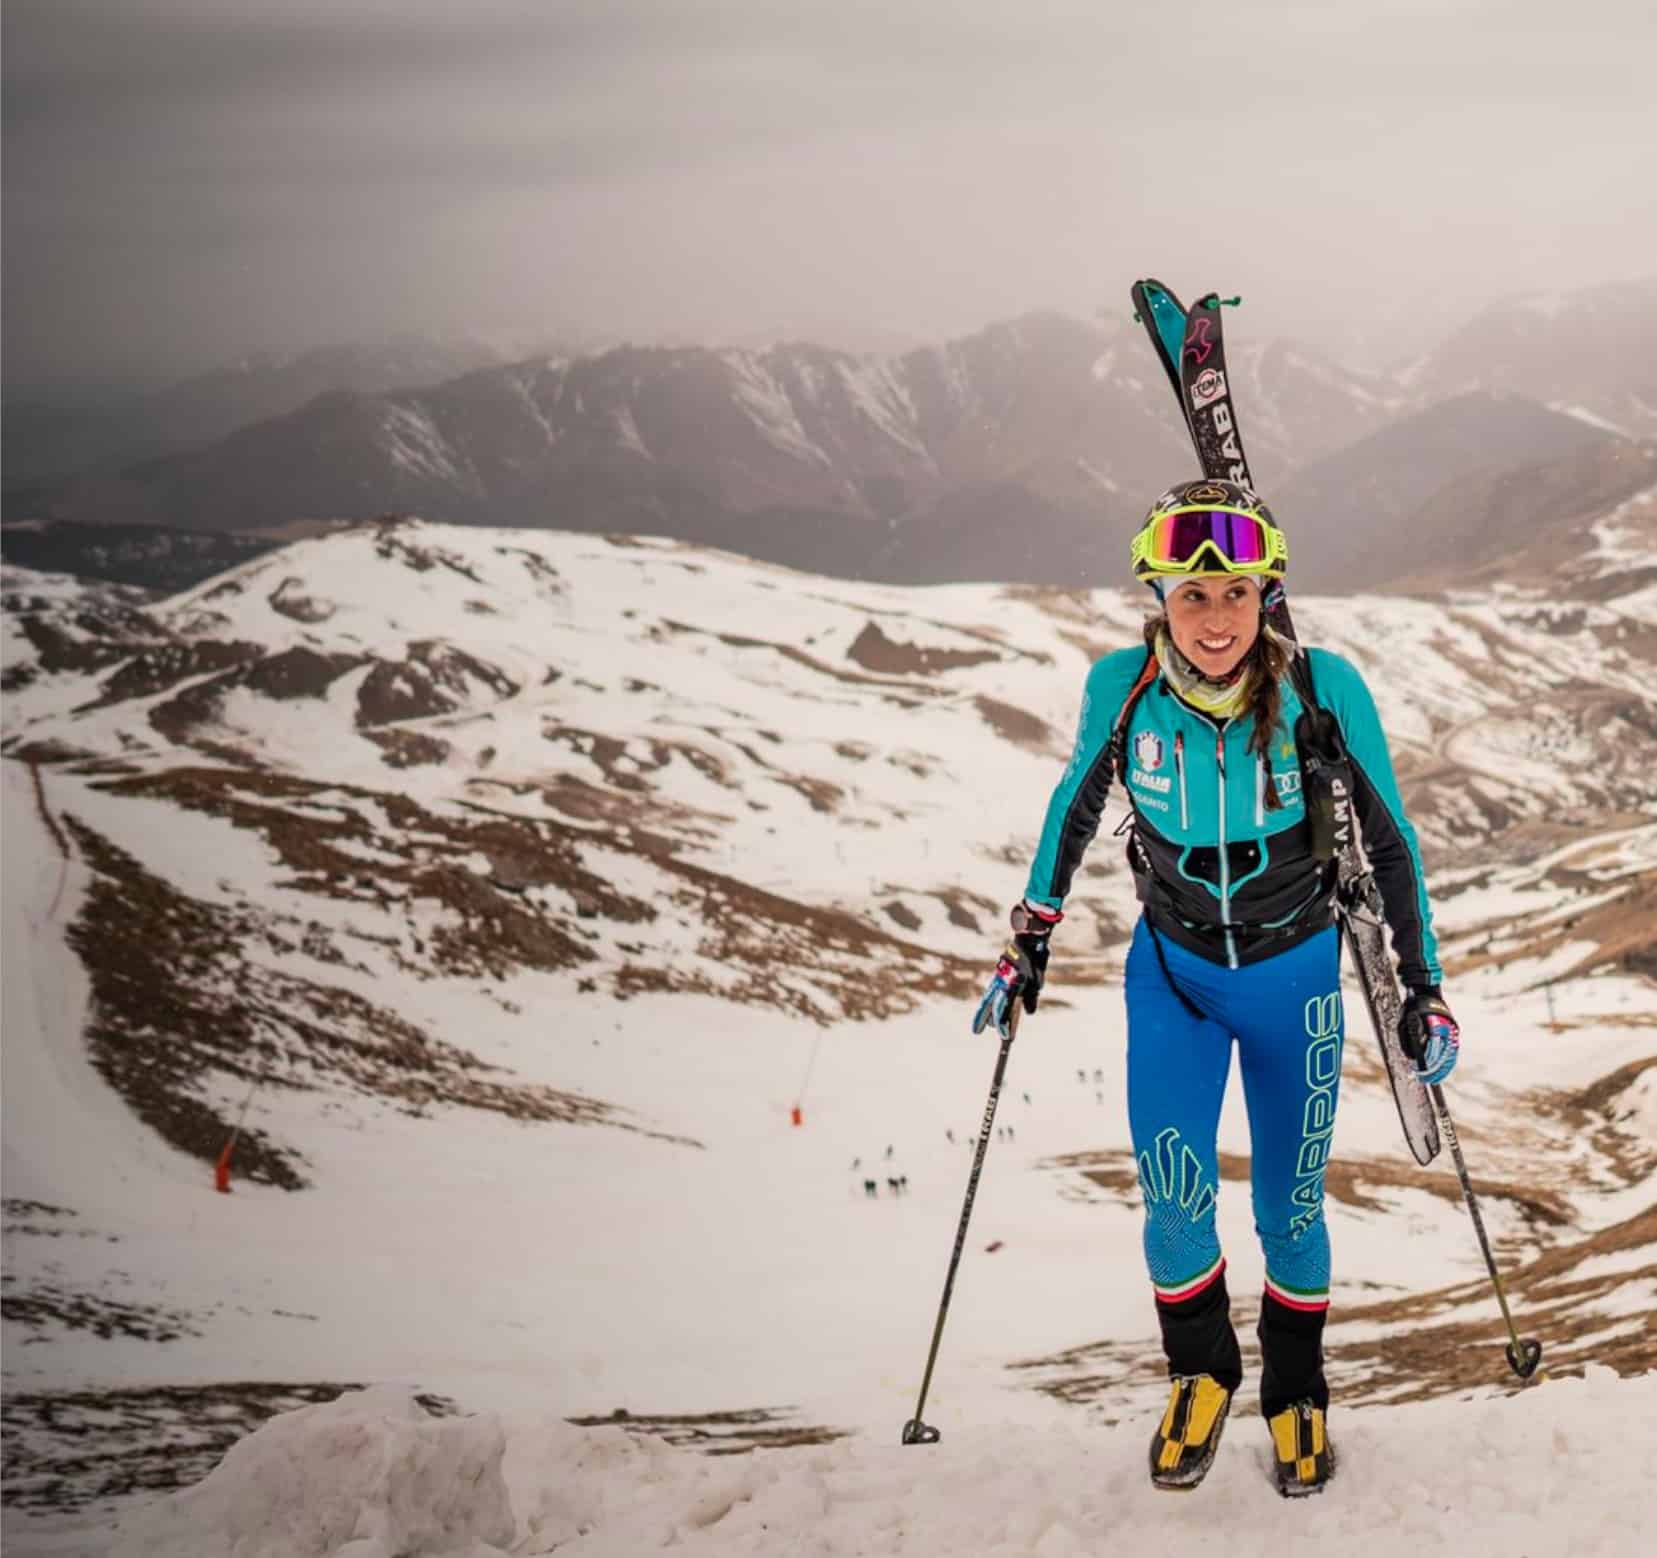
188	181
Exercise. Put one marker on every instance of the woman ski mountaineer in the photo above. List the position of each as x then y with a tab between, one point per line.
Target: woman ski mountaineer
1236	943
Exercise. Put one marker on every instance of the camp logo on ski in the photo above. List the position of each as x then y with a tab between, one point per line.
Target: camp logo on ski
1209	386
1147	750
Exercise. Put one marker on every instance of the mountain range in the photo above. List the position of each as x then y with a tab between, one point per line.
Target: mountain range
44	437
1025	453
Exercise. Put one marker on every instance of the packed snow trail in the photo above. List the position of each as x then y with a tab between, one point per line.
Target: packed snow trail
1554	1470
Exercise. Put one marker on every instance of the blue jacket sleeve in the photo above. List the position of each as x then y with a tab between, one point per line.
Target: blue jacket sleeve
1389	840
1078	801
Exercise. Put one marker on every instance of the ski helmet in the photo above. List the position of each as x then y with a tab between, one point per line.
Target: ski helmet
1209	526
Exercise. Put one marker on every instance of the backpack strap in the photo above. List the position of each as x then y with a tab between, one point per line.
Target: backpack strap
1124	716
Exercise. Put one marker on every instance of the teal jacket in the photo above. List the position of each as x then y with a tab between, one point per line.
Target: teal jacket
1220	872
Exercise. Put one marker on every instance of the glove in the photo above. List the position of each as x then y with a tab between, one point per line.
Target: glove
1429	1035
1023	967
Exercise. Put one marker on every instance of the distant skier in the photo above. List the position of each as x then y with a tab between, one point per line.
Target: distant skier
1236	944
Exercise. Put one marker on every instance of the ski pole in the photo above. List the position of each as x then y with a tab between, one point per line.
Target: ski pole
915	1431
1522	1356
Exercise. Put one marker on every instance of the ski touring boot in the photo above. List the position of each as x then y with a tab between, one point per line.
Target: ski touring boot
1305	1459
1182	1449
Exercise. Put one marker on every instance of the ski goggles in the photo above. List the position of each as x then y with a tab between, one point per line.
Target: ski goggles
1187	540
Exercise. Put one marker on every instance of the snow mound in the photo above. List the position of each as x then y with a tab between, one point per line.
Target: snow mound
1548	1471
370	1475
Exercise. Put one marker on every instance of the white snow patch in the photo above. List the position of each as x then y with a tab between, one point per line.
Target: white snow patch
770	409
416	446
1593	419
876	392
627	430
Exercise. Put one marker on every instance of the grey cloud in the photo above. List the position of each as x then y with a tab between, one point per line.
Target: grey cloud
185	179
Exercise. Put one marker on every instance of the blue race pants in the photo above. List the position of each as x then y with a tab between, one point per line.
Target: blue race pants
1284	1014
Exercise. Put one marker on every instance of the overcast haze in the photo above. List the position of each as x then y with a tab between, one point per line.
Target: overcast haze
185	180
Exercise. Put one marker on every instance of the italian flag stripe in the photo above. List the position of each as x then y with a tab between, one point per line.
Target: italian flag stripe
1297	1298
1191	1287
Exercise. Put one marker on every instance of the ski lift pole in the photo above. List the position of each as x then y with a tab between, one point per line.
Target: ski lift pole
221	1170
1523	1356
917	1431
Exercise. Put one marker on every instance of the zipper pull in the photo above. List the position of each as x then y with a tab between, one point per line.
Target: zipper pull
1219	751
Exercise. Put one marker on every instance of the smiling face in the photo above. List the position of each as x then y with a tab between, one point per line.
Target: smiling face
1214	619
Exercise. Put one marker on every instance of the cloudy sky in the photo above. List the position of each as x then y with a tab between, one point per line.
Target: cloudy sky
184	180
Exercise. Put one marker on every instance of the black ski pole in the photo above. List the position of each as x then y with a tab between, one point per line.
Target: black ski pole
1522	1356
915	1431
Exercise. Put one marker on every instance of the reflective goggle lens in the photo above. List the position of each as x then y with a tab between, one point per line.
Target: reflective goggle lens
1241	539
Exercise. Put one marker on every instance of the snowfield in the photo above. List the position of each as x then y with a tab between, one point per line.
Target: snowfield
519	886
1559	1470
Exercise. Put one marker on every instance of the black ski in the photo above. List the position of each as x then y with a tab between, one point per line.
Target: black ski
1365	934
1190	345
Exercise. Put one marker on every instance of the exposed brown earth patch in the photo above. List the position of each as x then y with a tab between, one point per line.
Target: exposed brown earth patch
536	566
154	670
754	947
58	650
294	673
76	1451
874	651
719	1433
391	541
1356	1182
1018	726
1435	1343
627	766
1622	931
323	850
576	798
408	748
43	1306
433	678
1591	1112
1433	1346
822	964
180	1019
290	600
916	691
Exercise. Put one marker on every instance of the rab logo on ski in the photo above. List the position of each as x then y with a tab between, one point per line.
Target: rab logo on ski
1209	387
1237	471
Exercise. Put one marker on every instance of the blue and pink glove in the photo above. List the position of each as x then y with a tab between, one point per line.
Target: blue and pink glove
1430	1035
1023	967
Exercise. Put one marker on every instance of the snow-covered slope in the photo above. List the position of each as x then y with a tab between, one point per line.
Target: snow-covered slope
520	886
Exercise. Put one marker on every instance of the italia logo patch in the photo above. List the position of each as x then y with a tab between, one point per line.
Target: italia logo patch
1147	750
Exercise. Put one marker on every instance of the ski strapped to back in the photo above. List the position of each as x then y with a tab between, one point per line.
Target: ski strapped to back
1190	345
